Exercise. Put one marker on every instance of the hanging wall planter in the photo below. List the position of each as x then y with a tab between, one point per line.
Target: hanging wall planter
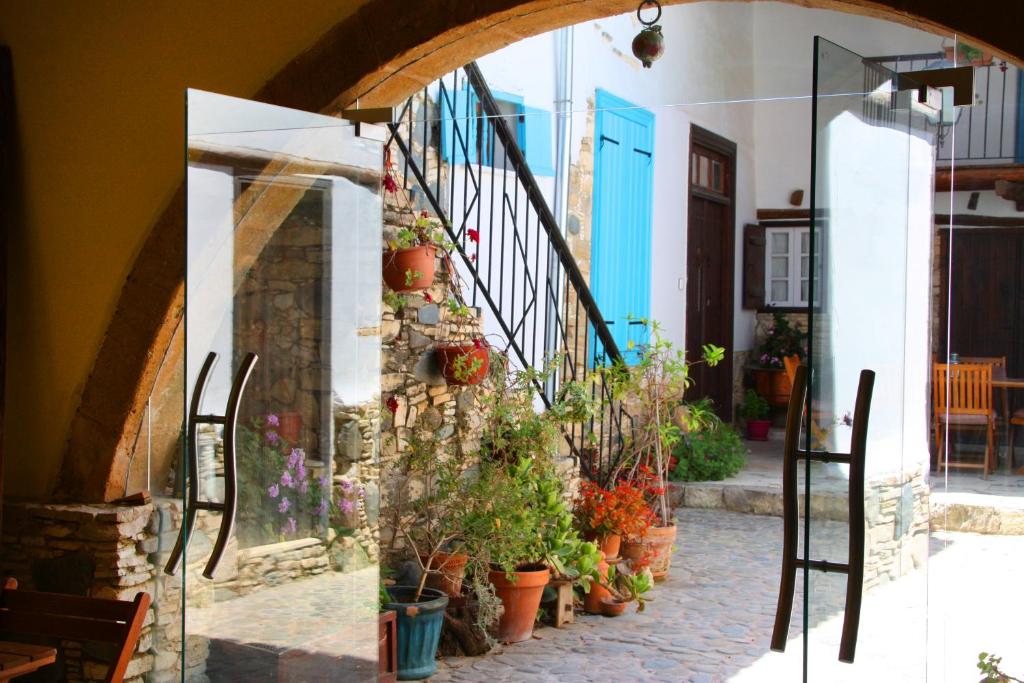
463	364
407	270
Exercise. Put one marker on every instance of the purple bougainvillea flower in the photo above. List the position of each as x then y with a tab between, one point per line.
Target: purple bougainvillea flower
273	490
325	481
345	485
300	472
346	506
296	457
304	486
273	420
272	436
321	508
284	505
290	526
362	491
286	479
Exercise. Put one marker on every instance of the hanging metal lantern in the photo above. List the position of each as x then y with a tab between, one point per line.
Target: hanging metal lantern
649	44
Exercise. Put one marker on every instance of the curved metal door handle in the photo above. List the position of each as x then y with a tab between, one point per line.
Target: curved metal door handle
192	473
230	503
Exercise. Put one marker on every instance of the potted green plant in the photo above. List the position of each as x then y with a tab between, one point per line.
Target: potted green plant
782	340
754	410
466	359
652	390
426	506
409	262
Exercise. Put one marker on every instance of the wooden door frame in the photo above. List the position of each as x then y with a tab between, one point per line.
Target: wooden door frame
703	137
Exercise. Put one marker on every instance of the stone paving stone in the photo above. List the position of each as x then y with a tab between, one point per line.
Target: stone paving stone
711	620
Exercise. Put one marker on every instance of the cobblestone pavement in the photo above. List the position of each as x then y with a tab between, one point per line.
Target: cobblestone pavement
711	620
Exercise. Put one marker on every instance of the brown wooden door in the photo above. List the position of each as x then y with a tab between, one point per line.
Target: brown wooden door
986	308
709	267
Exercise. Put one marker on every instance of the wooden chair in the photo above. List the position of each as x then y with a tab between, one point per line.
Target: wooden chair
995	361
819	436
73	617
1016	420
964	404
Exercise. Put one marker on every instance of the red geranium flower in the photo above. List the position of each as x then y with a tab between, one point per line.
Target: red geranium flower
478	343
474	235
389	183
426	297
473	258
392	404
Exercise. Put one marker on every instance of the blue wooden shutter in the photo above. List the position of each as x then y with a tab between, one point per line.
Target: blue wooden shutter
461	130
536	141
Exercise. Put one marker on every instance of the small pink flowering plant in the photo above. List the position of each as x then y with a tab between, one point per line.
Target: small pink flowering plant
280	496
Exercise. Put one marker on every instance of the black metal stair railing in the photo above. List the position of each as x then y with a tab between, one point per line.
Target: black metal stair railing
454	145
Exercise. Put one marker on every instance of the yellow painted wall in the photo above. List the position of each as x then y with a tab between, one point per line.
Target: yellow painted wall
100	87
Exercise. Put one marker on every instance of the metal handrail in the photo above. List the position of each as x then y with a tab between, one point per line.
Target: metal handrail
535	283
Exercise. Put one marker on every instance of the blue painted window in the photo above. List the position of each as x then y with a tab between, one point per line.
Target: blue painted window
623	208
472	139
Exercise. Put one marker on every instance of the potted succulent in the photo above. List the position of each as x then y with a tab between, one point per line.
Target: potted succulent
624	586
653	390
606	515
782	339
754	410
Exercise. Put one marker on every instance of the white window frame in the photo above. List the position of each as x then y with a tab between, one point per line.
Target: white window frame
793	278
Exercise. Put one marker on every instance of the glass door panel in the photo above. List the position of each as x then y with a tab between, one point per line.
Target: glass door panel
282	392
872	223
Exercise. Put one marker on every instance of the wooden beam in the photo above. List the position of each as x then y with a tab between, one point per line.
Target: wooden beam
971	178
969	220
1012	191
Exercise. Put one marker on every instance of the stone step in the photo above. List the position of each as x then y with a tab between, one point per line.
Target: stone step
971	513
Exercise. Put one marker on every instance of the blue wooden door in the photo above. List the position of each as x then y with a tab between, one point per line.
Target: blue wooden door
620	274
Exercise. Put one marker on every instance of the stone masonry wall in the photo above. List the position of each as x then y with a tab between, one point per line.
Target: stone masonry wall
99	551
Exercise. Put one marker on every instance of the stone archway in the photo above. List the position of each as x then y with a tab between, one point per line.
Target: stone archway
380	54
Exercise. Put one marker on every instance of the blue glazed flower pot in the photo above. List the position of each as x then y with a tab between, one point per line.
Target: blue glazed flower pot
419	629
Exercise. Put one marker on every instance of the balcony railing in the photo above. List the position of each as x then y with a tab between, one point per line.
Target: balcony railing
986	133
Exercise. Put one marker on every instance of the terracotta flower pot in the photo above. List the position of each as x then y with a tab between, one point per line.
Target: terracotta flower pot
521	600
448	360
774	385
654	548
610	607
610	545
757	430
452	570
592	599
419	261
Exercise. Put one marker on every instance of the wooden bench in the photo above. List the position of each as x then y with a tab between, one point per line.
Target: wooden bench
73	617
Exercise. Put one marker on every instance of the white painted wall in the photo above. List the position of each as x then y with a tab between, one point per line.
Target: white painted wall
783	68
671	90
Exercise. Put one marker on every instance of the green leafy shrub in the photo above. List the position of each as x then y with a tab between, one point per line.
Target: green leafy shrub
710	455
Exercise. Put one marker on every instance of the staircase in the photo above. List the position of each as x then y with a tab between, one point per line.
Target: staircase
457	155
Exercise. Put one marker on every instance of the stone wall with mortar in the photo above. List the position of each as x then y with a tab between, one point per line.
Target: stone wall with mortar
94	550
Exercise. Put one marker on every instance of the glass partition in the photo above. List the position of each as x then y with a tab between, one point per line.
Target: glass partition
872	218
282	374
